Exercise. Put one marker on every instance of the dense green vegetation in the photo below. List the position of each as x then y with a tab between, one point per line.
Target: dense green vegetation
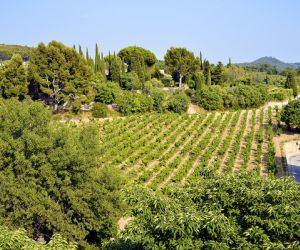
216	212
134	81
291	114
51	180
62	183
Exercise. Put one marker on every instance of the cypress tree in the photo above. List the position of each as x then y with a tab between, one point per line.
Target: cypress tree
201	62
208	78
97	59
80	51
229	62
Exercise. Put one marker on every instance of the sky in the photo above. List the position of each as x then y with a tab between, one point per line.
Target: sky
239	29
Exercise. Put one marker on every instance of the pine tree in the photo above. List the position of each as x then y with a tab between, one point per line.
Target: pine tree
87	56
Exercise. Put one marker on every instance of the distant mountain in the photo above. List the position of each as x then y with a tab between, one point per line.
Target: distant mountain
273	62
7	50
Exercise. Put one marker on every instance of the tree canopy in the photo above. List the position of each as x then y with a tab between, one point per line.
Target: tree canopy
50	177
180	62
291	114
218	212
58	73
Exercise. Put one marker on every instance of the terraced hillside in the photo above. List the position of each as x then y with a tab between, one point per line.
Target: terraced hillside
157	150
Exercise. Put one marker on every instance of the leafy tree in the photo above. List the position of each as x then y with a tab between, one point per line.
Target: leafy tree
147	56
209	98
216	212
107	92
159	97
58	73
291	114
180	62
50	177
178	103
14	80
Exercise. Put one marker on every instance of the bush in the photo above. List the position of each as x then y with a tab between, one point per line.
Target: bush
76	105
99	110
107	92
291	114
130	103
209	98
178	103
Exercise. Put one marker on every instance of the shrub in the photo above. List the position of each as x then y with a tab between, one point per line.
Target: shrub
209	98
178	103
99	110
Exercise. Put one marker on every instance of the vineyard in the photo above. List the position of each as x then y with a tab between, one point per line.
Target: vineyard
157	150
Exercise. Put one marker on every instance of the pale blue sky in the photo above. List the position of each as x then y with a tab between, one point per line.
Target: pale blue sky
240	29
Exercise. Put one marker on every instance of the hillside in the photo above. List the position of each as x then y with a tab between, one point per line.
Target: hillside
7	50
274	62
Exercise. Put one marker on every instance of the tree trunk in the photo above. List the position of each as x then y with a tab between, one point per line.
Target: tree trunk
180	80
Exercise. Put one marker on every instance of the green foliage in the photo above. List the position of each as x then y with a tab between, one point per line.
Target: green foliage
99	110
209	98
218	212
217	74
127	53
50	177
131	81
76	105
18	239
248	96
7	51
130	103
107	92
291	114
178	103
57	73
180	62
115	69
14	80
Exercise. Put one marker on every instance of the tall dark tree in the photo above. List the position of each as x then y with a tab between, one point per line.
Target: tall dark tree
201	61
115	69
208	77
80	51
216	74
229	62
291	82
